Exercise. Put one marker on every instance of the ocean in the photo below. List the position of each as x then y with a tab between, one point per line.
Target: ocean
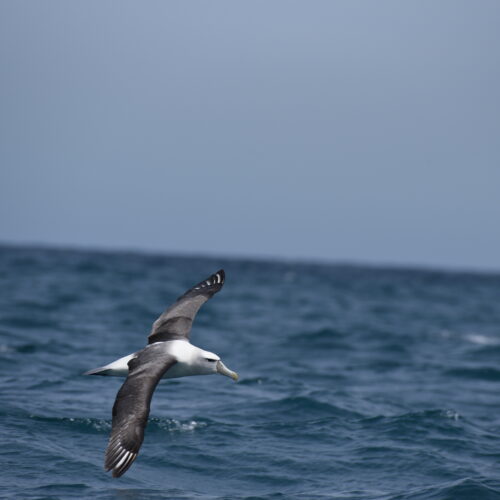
355	382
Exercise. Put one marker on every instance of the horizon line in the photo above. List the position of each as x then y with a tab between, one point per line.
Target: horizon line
269	258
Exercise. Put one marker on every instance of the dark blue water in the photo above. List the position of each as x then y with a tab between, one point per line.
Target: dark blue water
356	383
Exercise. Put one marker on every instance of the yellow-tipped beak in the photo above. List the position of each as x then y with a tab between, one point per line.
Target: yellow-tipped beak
224	370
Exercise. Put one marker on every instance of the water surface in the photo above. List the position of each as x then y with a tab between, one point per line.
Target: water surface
356	382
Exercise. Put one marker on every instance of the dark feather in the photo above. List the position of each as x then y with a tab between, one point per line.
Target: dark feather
131	408
175	323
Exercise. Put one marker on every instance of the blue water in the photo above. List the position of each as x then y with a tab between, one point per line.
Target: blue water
356	382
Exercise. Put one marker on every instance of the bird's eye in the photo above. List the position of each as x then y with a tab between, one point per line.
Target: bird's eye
211	360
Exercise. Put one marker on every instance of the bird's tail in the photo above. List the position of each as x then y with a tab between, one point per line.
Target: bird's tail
118	368
102	370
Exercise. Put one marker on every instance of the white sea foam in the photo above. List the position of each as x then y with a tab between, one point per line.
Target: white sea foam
452	414
190	426
479	339
474	338
177	426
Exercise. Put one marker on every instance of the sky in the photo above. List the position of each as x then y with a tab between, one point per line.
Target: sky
344	131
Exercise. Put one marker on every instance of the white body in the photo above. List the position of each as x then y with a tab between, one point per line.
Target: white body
191	360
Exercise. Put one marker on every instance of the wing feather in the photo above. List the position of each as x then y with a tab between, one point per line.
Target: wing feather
175	323
131	408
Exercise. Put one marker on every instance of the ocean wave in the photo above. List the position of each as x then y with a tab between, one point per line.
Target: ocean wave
435	416
104	425
463	489
482	340
172	425
57	490
44	347
255	381
486	373
444	429
317	340
81	424
293	407
30	322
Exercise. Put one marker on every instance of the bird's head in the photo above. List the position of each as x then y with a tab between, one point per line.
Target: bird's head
212	363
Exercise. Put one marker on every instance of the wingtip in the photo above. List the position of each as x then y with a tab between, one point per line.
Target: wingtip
118	460
220	276
211	284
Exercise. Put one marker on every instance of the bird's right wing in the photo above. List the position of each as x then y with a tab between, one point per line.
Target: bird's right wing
131	408
175	323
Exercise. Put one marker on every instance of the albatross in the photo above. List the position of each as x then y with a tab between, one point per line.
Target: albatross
169	354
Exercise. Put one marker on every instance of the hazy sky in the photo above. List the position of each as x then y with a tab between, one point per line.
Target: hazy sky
365	131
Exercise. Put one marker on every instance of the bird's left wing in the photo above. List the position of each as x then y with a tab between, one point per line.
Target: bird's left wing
175	323
131	408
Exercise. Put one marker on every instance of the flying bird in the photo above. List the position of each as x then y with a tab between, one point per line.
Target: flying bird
169	354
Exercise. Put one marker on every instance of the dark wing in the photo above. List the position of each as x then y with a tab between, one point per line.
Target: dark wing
131	408
175	323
